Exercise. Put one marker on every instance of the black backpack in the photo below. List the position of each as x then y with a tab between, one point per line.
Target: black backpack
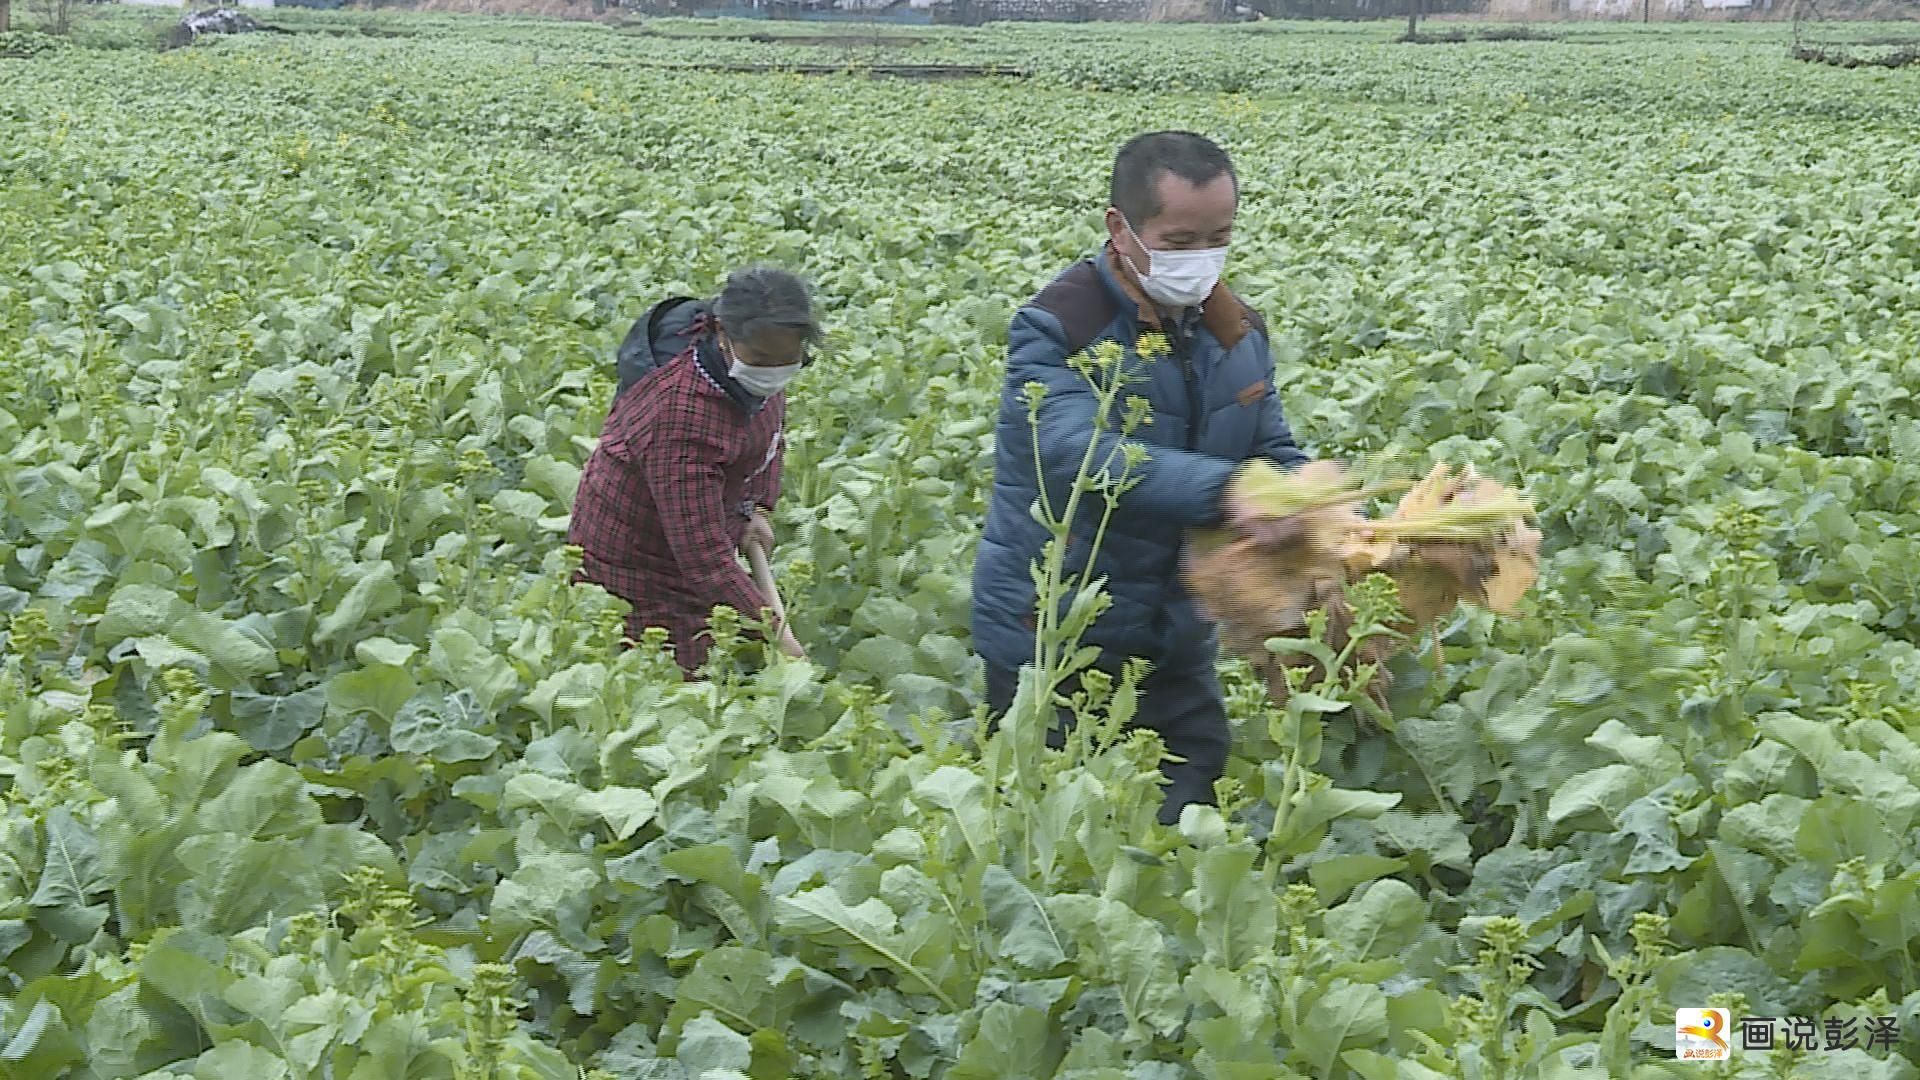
663	333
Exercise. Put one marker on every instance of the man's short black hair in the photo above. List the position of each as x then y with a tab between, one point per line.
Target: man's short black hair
1137	168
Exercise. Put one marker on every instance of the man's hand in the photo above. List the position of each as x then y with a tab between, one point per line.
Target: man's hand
759	531
1249	522
1269	532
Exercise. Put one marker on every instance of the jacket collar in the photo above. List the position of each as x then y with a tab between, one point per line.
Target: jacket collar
1224	315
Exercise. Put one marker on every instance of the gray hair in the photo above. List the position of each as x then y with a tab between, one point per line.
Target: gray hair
762	298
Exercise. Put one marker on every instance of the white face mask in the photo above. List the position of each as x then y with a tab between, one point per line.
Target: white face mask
1179	278
763	381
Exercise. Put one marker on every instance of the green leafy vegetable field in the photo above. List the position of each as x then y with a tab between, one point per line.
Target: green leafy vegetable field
312	765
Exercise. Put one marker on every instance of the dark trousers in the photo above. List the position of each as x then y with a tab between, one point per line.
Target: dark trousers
1184	706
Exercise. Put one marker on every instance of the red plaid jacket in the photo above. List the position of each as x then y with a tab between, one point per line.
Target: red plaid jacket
665	498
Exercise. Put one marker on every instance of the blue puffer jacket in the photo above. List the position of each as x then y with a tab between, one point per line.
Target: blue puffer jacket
1214	407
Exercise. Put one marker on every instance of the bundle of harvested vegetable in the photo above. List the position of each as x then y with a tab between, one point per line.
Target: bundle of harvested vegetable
1454	536
1254	597
1466	534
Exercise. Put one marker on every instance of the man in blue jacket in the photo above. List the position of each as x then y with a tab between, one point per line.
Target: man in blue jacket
1173	199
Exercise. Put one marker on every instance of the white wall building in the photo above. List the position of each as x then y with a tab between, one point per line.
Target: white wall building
183	3
1611	9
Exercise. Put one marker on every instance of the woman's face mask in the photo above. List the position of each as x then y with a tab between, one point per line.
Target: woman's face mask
761	382
1178	278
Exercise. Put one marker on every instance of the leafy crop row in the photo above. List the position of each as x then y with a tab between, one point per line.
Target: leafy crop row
311	765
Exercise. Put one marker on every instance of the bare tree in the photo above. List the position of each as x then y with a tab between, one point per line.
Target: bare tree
56	16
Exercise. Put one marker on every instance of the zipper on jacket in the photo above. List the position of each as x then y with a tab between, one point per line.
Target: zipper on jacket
1181	341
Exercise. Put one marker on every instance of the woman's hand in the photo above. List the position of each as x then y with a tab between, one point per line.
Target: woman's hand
759	531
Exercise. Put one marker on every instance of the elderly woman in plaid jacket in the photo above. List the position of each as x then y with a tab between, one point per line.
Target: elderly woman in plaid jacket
688	463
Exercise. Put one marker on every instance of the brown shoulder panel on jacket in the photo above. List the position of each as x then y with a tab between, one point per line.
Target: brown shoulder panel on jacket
1259	323
1080	303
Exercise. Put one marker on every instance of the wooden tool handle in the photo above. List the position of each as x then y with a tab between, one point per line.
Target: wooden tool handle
763	577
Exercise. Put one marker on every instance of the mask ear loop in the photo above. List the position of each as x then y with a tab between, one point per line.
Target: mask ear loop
1128	259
